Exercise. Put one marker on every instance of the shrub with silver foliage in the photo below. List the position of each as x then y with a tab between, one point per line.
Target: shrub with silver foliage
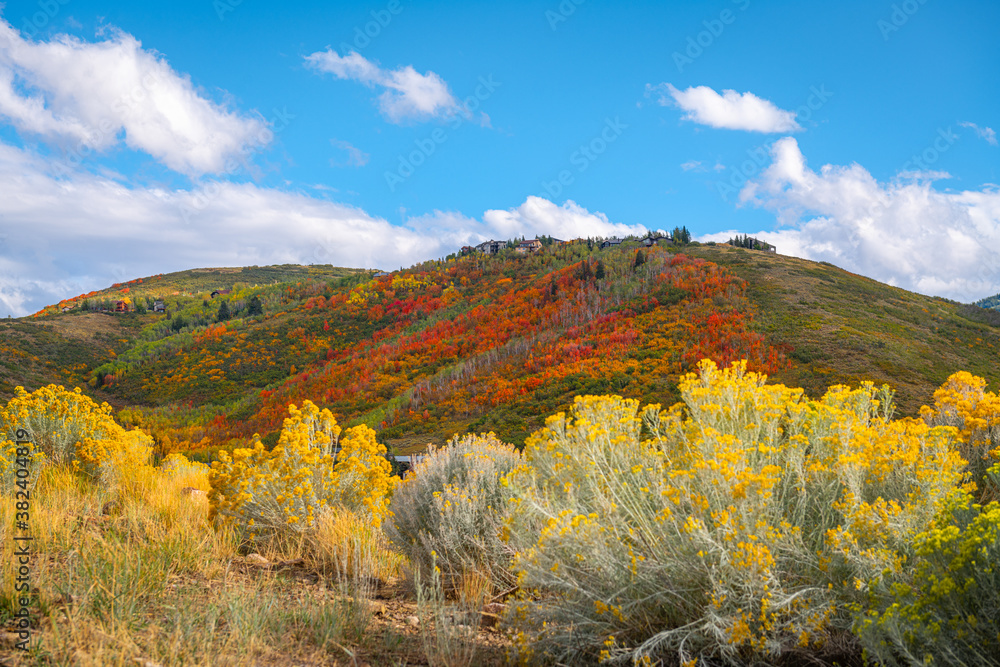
454	504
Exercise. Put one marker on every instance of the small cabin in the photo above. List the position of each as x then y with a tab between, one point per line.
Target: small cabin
159	307
220	292
121	306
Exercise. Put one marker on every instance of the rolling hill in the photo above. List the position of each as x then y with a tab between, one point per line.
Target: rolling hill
484	343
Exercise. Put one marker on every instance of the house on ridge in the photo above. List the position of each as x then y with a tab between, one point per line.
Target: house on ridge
524	247
652	240
491	247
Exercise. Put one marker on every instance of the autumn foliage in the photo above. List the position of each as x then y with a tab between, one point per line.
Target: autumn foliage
310	470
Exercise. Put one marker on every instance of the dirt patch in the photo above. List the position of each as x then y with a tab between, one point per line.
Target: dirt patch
83	327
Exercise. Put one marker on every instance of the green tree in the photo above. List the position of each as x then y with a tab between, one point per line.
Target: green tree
599	270
640	259
224	313
255	307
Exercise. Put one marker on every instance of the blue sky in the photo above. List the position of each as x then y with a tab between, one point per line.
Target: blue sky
137	139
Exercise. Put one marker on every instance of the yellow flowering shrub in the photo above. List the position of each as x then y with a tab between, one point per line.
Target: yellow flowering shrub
57	420
947	613
363	474
451	508
737	526
66	426
287	487
963	402
116	459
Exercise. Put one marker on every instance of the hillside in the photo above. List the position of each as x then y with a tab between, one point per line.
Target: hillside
490	343
840	327
59	347
991	302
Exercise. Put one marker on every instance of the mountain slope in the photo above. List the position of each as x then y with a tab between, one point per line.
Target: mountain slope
498	343
845	328
475	343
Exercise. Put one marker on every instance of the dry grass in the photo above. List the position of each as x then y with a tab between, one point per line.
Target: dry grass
136	575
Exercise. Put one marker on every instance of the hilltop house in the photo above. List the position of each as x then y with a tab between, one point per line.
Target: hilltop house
159	306
220	292
491	247
524	247
610	243
656	240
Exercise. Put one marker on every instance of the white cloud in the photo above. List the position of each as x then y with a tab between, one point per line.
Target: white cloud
537	216
355	156
730	111
68	236
905	232
407	94
90	96
986	133
692	165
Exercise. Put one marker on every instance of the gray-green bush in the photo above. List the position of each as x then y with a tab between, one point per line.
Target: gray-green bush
452	507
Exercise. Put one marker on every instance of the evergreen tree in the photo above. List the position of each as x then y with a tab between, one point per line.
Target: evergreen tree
255	307
599	270
640	259
224	313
